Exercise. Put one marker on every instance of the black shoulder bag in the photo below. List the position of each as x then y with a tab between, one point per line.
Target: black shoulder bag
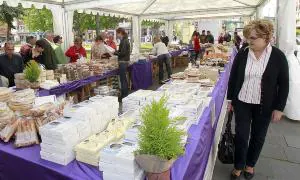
226	145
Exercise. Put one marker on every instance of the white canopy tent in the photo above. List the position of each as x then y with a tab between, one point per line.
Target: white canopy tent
173	10
165	10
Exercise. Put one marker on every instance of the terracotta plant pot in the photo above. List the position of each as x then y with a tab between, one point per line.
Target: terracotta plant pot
34	85
153	164
159	176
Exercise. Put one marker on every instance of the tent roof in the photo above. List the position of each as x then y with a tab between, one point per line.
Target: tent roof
163	9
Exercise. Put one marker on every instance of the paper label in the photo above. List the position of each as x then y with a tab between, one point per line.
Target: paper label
45	99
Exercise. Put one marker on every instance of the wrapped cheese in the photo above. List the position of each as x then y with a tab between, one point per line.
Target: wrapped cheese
26	134
9	130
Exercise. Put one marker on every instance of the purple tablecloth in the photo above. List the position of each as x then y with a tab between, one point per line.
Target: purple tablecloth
141	75
26	162
71	86
192	164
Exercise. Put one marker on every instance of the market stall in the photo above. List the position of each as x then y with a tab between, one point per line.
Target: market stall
193	163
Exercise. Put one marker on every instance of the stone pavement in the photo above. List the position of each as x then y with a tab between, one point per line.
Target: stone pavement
280	157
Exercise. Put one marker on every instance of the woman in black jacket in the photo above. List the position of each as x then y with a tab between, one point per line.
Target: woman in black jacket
257	92
123	58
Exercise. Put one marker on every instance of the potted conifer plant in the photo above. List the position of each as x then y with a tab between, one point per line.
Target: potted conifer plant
159	141
32	73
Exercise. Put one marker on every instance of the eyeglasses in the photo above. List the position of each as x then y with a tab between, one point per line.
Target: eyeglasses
253	38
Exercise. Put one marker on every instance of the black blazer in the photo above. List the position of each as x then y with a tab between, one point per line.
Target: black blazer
124	50
274	83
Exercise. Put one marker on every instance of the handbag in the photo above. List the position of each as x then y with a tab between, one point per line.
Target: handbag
226	145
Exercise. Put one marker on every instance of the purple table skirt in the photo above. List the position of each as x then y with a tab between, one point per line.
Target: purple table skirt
26	162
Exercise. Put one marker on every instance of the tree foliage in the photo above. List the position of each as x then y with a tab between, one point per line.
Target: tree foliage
38	19
83	22
152	24
8	14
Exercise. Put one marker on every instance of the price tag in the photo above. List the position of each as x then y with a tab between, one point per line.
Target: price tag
45	99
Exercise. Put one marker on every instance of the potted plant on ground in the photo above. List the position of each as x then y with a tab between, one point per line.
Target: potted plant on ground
32	73
159	141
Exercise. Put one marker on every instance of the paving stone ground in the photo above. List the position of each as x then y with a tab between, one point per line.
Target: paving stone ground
280	157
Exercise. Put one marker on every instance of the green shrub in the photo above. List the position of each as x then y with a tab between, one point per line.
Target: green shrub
32	71
158	136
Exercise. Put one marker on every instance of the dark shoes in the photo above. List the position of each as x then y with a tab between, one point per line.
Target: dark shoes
248	175
233	176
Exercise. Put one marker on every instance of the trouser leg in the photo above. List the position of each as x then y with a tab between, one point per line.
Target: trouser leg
123	79
242	129
259	129
168	65
161	68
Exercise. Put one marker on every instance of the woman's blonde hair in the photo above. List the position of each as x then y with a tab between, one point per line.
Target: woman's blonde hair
156	39
264	29
77	40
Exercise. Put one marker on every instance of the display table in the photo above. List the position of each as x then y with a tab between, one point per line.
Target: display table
196	163
141	77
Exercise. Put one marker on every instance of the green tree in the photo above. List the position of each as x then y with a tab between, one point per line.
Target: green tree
108	22
38	19
8	14
83	22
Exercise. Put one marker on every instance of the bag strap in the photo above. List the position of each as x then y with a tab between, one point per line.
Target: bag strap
229	120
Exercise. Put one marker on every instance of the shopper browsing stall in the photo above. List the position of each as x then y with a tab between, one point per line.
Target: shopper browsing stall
123	58
61	58
110	42
210	38
99	50
196	46
221	39
237	40
10	63
77	51
49	57
258	88
161	51
37	52
203	37
27	47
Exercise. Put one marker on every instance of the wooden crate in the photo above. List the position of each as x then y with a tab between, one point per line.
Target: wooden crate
180	61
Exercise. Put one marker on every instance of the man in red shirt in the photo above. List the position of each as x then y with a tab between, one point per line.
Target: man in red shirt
76	51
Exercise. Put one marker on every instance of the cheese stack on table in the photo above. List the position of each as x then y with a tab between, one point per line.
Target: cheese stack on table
59	137
117	162
88	151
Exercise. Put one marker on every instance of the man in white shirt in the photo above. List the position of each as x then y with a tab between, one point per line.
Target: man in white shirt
161	51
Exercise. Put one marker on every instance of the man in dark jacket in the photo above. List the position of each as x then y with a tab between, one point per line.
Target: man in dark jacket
210	38
49	56
10	63
203	37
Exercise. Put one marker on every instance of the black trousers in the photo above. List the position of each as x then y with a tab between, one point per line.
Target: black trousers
249	121
164	59
123	78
